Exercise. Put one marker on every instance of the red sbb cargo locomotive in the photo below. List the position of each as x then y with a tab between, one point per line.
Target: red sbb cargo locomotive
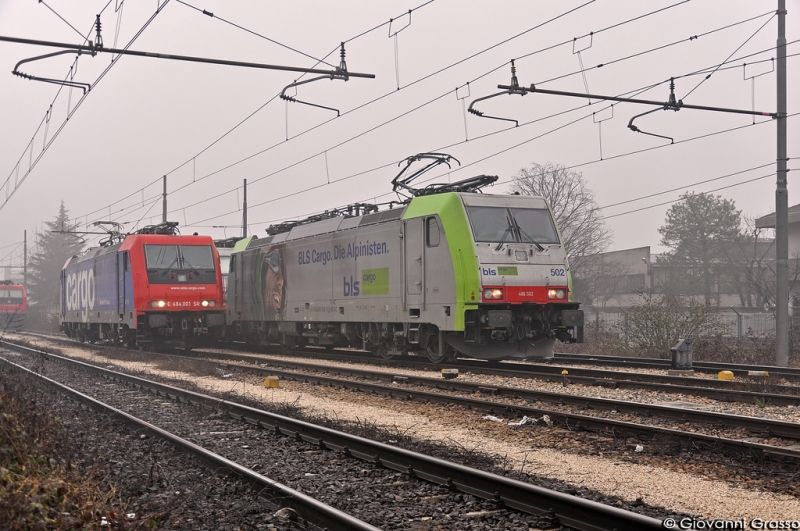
13	306
154	288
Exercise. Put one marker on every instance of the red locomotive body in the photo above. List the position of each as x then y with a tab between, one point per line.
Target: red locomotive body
150	289
13	306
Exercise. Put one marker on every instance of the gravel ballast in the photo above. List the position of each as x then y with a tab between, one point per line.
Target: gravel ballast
657	486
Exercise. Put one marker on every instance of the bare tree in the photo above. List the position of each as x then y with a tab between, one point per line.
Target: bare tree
602	279
659	321
577	215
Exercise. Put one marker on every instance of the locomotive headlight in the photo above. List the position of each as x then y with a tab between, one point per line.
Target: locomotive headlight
157	304
208	304
493	294
556	294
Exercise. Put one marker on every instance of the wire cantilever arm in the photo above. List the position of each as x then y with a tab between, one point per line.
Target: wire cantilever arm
284	96
512	89
480	114
637	130
75	84
339	73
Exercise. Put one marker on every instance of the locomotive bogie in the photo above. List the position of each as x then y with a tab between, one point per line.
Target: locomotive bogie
438	276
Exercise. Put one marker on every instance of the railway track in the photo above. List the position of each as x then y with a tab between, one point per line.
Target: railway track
743	391
722	390
403	387
553	508
758	429
316	514
789	373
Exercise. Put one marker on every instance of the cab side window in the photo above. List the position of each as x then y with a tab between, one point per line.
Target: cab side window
432	232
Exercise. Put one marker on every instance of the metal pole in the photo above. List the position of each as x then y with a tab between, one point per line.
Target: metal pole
244	211
25	260
781	203
164	198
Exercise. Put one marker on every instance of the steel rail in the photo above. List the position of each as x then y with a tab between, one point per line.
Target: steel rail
570	510
704	366
722	390
569	420
717	389
318	514
772	427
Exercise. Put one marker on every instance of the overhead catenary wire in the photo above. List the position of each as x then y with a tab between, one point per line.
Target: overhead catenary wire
64	20
729	56
372	129
52	103
677	200
389	194
654	49
407	112
376	99
255	33
425	77
186	207
688	185
242	122
480	160
66	120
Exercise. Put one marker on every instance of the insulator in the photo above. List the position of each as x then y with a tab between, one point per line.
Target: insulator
514	81
98	40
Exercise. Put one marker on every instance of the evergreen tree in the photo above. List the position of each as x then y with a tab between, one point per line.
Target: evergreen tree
704	233
44	266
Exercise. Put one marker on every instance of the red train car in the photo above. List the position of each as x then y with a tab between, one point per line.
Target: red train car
13	306
156	287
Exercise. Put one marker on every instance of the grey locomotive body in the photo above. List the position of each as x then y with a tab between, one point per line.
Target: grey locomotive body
436	276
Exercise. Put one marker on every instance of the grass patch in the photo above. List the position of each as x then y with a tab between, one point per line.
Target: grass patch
40	488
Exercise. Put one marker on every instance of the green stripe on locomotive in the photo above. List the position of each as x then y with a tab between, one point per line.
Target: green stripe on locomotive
456	226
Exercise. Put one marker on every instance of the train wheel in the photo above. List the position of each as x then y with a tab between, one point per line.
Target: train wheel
386	350
432	350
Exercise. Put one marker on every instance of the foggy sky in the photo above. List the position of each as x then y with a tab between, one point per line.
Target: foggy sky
149	117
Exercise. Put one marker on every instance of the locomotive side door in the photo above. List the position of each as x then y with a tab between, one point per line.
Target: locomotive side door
124	303
414	264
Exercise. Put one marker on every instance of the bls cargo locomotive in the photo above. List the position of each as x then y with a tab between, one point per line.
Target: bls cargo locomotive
154	287
448	272
13	306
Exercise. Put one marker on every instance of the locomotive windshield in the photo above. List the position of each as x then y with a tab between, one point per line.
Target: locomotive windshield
523	225
197	257
179	257
10	296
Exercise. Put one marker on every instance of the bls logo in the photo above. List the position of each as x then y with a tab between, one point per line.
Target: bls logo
352	287
79	293
488	271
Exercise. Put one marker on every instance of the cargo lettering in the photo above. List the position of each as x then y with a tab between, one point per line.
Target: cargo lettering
352	288
79	292
375	281
314	257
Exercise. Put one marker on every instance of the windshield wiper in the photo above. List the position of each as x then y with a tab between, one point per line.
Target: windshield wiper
525	234
503	238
